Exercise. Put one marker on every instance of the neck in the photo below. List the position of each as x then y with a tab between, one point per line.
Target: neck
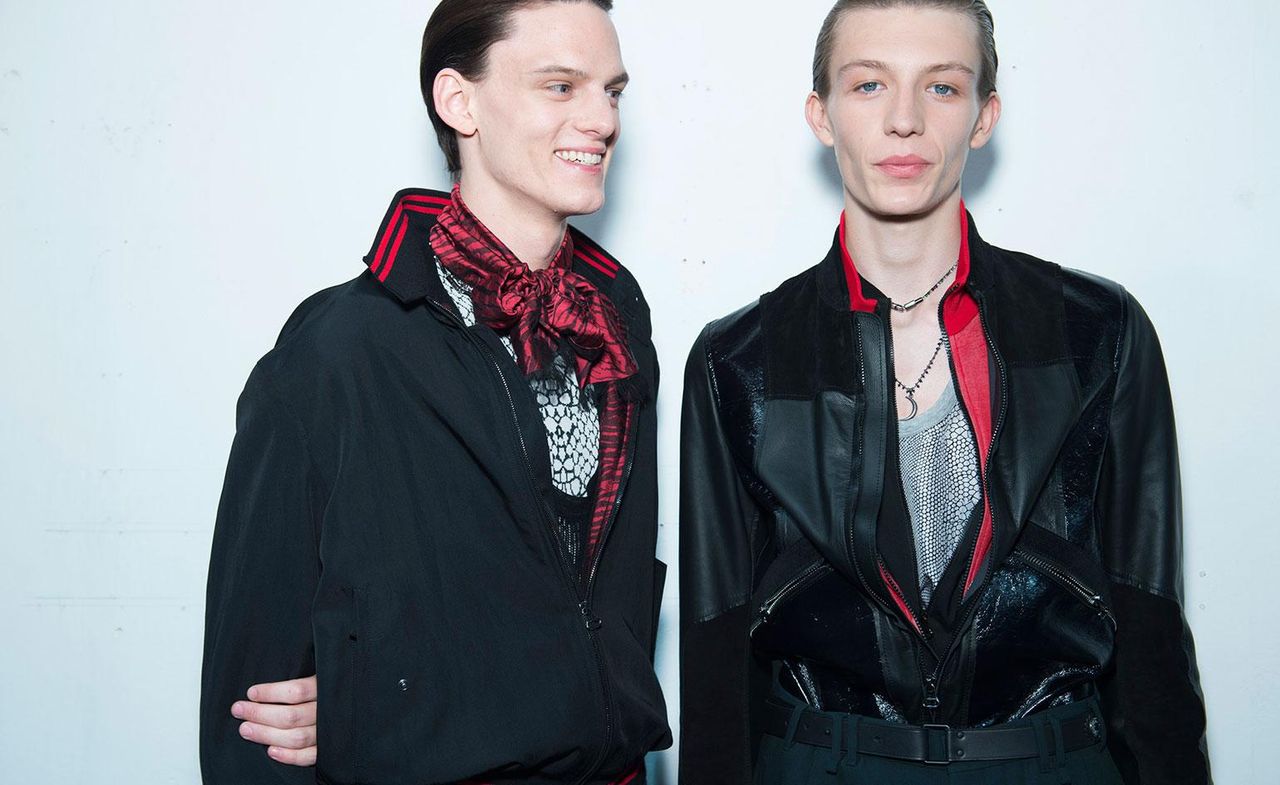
533	234
903	257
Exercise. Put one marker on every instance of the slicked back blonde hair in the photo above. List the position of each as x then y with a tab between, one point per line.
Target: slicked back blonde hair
974	9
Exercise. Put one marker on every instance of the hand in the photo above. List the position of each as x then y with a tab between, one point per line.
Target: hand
281	715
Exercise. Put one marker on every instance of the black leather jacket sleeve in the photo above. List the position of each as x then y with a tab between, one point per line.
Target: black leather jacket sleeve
263	574
1152	697
716	517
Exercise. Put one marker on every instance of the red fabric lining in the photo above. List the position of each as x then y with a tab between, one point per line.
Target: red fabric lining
973	379
969	350
857	302
896	593
616	416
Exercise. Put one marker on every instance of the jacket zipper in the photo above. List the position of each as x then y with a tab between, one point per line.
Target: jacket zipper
1068	581
932	700
919	622
807	576
896	591
590	620
590	623
850	543
628	443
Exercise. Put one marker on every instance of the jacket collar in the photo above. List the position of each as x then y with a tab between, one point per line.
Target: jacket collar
401	251
842	287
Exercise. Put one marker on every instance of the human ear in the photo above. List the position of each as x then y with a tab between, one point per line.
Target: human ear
815	113
988	116
452	94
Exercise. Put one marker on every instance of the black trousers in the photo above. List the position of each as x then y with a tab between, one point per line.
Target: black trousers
784	761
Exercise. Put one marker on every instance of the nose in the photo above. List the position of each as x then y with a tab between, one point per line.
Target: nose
906	115
598	116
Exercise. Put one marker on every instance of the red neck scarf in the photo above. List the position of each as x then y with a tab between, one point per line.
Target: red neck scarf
541	311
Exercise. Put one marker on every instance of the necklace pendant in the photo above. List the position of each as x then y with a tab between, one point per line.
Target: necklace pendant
915	407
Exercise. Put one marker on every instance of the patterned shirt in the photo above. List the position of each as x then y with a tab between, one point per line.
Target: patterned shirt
939	463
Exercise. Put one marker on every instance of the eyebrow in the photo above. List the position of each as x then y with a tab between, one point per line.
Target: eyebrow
873	65
578	73
961	67
876	65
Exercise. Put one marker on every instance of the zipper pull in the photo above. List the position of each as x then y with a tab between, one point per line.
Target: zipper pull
762	615
589	619
931	700
1103	610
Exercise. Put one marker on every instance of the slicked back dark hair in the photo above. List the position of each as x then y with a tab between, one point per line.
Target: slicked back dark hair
974	9
458	36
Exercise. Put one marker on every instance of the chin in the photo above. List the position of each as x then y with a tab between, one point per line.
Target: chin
579	204
904	204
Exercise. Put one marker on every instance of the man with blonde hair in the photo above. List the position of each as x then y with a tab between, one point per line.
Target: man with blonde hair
930	521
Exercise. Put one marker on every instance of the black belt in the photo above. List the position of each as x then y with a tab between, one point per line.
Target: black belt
934	743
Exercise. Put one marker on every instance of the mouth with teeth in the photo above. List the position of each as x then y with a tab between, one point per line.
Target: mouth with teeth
580	157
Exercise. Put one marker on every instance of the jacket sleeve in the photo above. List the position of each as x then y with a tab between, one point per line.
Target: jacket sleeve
263	573
1154	706
716	516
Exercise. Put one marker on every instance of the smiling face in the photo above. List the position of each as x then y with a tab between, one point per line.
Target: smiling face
903	110
536	133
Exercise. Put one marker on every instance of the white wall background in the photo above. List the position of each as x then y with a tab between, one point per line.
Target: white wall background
176	176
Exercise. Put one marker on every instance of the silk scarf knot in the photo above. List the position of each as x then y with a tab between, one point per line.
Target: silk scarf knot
542	312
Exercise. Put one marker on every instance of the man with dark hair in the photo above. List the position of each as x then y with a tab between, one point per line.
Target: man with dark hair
441	498
930	519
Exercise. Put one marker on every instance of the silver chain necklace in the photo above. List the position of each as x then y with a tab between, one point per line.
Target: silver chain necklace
907	306
911	391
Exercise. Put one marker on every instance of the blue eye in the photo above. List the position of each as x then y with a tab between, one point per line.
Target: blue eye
559	88
943	89
615	94
867	88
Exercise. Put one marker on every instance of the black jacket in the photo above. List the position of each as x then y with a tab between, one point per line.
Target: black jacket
385	525
795	544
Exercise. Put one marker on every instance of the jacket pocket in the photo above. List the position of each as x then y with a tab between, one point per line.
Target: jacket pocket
1063	577
659	583
806	577
338	663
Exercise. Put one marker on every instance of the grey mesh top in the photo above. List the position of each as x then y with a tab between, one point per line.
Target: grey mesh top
939	463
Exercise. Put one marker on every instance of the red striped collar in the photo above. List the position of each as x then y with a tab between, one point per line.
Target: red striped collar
402	243
858	301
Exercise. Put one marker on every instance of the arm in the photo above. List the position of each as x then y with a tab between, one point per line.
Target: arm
1155	709
715	586
263	573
